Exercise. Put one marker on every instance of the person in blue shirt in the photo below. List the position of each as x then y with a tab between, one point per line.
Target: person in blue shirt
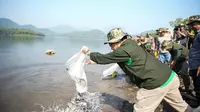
194	55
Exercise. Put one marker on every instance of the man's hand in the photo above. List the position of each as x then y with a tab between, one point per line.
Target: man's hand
90	62
182	34
191	35
172	64
198	71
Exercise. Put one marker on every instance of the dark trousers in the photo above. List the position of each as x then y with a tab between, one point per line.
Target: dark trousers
196	83
190	42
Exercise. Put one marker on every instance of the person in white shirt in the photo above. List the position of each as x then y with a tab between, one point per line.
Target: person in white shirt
164	55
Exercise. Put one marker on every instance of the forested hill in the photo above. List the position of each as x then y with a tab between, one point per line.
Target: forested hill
20	33
7	23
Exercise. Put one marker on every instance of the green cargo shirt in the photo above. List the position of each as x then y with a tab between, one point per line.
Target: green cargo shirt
179	53
141	67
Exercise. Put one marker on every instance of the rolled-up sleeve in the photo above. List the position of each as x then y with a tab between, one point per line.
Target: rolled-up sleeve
115	56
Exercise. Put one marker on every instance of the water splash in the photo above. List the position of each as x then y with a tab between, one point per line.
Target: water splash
84	102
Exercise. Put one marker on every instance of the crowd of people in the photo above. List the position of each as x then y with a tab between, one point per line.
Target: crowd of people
172	48
154	64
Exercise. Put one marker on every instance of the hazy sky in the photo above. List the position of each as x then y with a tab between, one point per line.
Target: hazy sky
132	15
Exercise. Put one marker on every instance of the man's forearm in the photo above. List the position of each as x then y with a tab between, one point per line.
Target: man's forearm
182	34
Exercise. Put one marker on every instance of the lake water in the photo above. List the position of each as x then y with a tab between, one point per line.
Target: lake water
31	80
31	52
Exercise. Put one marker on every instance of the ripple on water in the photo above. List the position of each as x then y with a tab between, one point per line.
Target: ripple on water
32	84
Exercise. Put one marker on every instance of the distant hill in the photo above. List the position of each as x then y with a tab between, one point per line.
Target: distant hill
61	29
91	34
145	32
45	31
7	23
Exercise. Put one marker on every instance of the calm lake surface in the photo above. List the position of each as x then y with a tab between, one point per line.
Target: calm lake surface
29	78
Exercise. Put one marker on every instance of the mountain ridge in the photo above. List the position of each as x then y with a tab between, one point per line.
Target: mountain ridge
7	23
60	30
91	34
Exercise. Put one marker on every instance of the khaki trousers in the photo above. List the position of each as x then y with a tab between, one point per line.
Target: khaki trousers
148	100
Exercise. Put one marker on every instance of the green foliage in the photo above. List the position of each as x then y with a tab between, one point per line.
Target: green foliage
178	21
18	33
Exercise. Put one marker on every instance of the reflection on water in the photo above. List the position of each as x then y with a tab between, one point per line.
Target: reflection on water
29	78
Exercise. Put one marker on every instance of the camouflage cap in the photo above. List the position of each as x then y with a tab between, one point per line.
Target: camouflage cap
163	29
181	24
158	29
195	18
166	44
115	35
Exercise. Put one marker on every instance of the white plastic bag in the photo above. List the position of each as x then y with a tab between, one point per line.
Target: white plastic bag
75	68
112	69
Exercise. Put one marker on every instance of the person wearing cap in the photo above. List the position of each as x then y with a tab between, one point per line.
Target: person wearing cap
182	35
194	55
150	43
179	62
157	44
139	39
144	43
164	55
156	81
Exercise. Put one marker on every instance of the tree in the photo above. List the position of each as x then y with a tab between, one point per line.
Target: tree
11	32
178	21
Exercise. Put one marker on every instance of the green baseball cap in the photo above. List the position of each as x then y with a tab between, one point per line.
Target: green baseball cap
115	35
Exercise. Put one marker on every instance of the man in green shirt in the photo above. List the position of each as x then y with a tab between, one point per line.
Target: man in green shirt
156	81
179	64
